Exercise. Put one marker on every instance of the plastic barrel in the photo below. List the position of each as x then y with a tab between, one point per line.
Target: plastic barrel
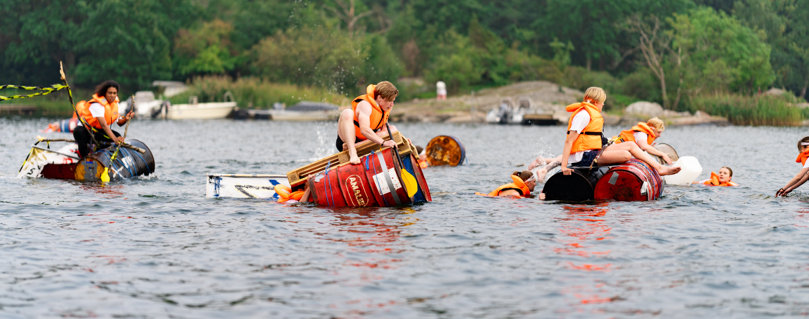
325	188
423	193
384	175
690	170
578	186
445	150
666	149
128	163
630	181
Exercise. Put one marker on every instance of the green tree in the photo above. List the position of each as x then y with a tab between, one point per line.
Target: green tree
204	50
719	54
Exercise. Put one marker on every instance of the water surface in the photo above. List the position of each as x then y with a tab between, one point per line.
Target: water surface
156	247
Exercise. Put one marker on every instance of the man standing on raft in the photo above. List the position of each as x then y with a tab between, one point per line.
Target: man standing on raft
583	144
366	119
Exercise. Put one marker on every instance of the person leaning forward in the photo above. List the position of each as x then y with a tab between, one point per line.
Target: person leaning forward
99	112
366	119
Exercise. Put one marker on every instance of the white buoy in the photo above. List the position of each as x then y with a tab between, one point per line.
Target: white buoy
689	172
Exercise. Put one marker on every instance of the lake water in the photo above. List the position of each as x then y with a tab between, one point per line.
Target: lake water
155	247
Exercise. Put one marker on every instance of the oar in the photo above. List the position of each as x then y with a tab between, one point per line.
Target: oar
411	186
105	176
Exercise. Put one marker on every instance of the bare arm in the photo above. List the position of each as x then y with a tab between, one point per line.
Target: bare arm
651	150
796	181
108	131
364	118
571	137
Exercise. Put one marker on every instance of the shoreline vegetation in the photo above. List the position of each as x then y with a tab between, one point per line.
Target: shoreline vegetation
774	108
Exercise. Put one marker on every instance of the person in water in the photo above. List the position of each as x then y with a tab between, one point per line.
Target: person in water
803	174
366	119
522	185
99	113
644	135
720	179
583	144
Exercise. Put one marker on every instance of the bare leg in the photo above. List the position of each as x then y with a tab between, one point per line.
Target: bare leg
622	152
345	129
542	172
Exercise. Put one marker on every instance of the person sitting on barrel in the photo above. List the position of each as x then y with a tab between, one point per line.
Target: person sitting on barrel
644	134
99	113
584	141
522	185
366	119
803	174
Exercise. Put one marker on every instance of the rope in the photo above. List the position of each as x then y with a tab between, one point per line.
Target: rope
44	90
328	184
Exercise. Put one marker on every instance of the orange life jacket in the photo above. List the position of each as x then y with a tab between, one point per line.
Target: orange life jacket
590	137
714	181
629	135
110	110
423	163
517	185
802	156
378	117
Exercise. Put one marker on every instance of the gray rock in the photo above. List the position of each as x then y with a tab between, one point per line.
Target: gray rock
644	109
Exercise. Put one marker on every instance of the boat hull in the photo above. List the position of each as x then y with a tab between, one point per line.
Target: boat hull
260	186
65	164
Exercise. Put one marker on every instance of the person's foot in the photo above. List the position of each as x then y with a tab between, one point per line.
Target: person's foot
669	170
352	156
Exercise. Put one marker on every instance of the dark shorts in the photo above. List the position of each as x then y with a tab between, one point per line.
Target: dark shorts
340	142
587	158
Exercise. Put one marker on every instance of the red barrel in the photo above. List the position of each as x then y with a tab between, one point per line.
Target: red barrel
630	181
376	181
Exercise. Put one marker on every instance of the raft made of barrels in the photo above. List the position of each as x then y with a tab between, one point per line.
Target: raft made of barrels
445	150
376	181
133	160
629	181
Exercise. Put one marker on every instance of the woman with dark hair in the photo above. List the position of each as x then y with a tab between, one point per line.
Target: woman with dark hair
99	113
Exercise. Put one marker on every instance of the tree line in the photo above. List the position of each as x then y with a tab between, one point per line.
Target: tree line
670	51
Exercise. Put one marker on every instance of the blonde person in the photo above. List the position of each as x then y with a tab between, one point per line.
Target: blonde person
583	143
644	135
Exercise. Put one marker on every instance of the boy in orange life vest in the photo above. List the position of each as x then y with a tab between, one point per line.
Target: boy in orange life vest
100	112
366	119
644	134
583	142
803	174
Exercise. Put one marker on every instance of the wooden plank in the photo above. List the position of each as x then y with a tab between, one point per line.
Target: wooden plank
299	175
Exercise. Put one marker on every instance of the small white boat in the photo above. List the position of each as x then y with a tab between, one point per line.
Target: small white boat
146	105
506	113
198	111
244	185
306	111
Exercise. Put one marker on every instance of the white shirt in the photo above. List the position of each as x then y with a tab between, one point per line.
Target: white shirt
441	88
578	124
805	165
640	138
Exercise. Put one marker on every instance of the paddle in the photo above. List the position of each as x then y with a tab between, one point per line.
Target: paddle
411	186
105	176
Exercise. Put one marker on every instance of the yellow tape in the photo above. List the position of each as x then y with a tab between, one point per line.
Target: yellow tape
44	91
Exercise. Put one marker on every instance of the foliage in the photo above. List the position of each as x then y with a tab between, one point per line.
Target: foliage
745	110
722	55
205	49
250	92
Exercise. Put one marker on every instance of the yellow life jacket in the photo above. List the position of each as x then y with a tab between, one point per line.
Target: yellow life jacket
110	111
590	137
378	117
629	135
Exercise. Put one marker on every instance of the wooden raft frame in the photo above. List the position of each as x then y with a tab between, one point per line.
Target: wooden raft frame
299	175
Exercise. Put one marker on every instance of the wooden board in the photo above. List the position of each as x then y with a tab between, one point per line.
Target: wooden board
299	175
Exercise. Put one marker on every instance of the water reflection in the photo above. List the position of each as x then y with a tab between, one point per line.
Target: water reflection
583	228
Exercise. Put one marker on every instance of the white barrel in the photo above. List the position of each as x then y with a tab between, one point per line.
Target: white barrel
689	172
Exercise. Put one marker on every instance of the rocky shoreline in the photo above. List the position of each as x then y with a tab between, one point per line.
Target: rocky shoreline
539	97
